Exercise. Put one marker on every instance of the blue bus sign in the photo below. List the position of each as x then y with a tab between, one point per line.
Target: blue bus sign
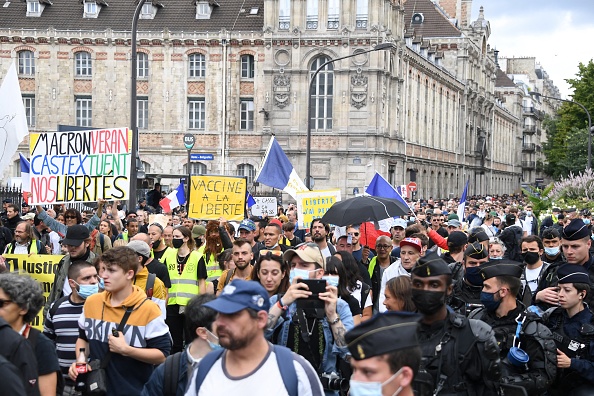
201	157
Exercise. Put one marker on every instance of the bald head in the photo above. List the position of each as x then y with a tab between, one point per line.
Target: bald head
383	247
141	236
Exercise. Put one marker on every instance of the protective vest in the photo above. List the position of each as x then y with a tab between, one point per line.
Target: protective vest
184	286
125	236
213	270
372	266
31	249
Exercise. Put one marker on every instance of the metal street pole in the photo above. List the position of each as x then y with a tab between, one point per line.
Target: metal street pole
589	121
133	120
379	47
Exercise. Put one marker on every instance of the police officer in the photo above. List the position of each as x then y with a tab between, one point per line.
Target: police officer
445	336
527	348
386	354
573	331
467	291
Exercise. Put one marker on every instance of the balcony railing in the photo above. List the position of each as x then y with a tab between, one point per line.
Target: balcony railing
528	147
529	129
529	164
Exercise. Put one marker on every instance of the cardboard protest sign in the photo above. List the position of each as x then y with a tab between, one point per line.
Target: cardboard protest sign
80	166
212	197
40	267
313	204
264	206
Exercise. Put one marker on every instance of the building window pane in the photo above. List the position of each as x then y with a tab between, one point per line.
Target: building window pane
247	66
247	115
203	9
247	171
147	9
142	65
312	14
196	168
321	99
90	7
33	6
26	63
82	62
84	112
196	66
196	111
284	15
333	13
29	103
142	113
362	14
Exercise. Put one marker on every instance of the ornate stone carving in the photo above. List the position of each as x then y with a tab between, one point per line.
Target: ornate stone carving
358	90
282	90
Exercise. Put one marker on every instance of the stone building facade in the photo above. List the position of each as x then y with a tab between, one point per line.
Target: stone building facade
234	73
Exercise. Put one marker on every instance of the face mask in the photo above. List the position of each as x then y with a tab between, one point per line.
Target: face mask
528	213
101	284
495	258
331	279
488	300
303	274
156	244
552	251
428	302
211	344
530	257
473	276
85	291
177	242
586	221
360	388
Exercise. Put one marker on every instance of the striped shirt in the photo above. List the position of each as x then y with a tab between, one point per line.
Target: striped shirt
63	330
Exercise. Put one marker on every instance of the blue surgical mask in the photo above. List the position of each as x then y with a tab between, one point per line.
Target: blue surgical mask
552	251
473	275
496	258
488	300
101	284
295	272
528	213
213	345
586	221
360	388
331	279
84	291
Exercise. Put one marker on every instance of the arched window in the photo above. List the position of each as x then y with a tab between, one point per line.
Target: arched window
26	63
82	64
321	98
196	168
196	66
248	171
142	65
247	66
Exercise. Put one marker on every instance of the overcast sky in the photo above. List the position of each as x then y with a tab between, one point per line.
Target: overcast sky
559	33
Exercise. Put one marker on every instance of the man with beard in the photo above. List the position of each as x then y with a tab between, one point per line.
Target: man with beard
249	364
319	233
23	242
361	253
242	257
272	236
459	356
467	290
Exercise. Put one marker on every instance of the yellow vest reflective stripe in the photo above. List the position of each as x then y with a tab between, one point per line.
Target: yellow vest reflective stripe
372	266
184	286
213	270
32	247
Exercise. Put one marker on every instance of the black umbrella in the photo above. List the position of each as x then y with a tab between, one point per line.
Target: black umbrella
364	208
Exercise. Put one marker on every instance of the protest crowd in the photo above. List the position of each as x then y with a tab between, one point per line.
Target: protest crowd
481	297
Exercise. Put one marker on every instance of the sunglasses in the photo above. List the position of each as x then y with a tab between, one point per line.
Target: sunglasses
70	217
382	246
354	233
4	302
278	253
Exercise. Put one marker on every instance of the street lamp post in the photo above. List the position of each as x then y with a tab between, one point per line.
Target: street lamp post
379	47
538	95
133	120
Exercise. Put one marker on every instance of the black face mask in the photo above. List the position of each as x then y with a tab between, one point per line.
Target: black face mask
428	302
198	242
530	257
156	244
177	242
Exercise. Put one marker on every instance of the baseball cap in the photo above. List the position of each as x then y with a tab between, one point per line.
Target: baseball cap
400	223
75	235
28	216
308	252
457	238
248	225
198	231
454	223
414	242
140	247
238	295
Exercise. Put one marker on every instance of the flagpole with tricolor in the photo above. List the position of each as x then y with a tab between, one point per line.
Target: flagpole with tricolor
25	177
462	204
174	199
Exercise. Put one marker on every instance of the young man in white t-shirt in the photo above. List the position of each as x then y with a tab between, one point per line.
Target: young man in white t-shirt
532	249
249	364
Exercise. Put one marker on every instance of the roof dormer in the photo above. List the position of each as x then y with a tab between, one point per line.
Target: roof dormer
149	9
204	8
93	7
35	7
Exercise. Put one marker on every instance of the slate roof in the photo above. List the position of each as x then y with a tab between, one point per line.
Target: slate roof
175	15
435	22
502	80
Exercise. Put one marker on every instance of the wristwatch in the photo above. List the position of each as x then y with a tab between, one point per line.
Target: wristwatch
335	320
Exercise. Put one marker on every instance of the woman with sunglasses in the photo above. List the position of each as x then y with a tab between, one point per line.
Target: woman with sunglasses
272	272
21	299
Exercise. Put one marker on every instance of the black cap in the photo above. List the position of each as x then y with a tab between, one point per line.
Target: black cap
572	273
510	218
507	268
384	333
478	235
570	210
575	230
476	250
24	205
457	238
431	265
75	235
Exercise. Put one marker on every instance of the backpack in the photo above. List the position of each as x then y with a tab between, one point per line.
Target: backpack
171	374
56	305
228	277
284	359
150	285
365	289
94	240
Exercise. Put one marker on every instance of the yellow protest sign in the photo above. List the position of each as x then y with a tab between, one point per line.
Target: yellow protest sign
212	197
313	204
40	267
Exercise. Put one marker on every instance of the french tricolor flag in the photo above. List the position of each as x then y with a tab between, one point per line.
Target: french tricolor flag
175	198
25	177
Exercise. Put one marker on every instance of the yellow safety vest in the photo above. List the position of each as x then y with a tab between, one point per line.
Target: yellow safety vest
372	266
184	286
32	249
213	270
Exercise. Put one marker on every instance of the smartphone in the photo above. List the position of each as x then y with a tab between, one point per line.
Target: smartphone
316	286
114	332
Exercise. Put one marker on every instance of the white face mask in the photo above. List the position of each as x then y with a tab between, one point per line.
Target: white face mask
296	272
360	388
